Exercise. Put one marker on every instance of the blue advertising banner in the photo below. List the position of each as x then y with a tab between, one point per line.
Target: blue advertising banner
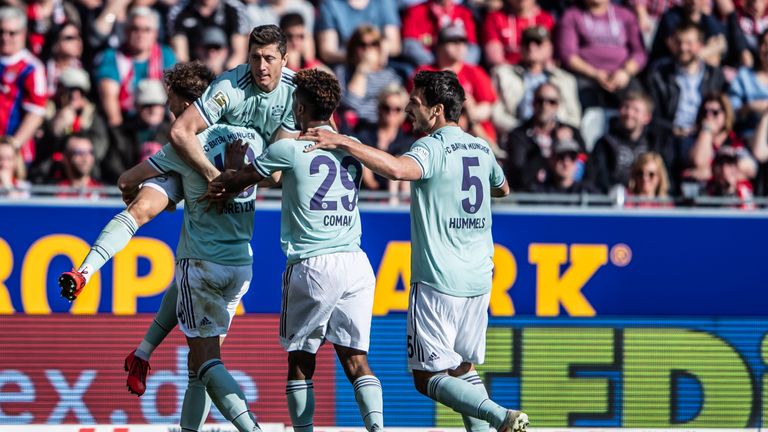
546	264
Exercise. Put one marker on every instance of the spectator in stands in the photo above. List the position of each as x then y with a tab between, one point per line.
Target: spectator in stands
728	180
70	111
104	24
363	77
515	84
743	27
338	19
562	168
188	18
529	146
213	51
648	182
262	12
387	135
714	123
78	167
63	50
649	13
24	88
12	172
759	147
143	136
601	43
422	24
120	71
627	138
301	43
677	87
503	30
45	16
694	11
748	91
450	54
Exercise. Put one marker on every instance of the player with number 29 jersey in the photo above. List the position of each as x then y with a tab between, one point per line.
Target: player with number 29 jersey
319	208
452	246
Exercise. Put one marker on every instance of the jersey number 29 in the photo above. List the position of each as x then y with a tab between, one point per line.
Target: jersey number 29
350	182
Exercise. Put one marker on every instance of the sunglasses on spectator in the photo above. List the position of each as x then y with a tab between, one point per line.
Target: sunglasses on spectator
140	29
391	109
569	156
548	101
294	35
79	152
714	112
376	43
9	32
214	47
649	174
69	37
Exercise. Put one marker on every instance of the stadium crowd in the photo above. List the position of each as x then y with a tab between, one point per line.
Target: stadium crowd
657	98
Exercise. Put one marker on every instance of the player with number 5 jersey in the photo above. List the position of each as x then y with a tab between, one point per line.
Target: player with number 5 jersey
328	284
453	177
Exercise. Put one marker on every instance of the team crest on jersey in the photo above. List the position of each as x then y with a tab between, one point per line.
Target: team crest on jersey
216	103
277	111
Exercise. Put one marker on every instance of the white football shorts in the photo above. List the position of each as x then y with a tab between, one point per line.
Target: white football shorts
208	295
445	331
167	184
327	297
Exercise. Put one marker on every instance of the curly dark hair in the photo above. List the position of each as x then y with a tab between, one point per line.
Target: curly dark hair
267	35
442	87
188	80
319	92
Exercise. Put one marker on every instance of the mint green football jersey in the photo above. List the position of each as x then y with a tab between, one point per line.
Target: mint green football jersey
451	242
222	238
233	98
320	189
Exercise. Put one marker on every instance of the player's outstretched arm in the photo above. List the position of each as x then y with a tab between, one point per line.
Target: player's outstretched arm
184	140
383	163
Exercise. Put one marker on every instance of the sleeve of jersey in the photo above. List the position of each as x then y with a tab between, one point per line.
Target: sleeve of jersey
217	99
423	154
277	157
167	160
35	92
497	175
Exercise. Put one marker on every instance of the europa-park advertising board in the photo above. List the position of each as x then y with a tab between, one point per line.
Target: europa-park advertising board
600	320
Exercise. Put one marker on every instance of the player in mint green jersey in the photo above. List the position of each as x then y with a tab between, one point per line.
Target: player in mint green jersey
213	265
453	177
258	95
328	284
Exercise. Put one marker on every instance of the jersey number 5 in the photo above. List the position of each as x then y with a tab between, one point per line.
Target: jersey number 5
351	183
467	182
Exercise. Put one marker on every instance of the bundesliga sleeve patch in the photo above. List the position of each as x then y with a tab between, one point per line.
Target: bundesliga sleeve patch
217	103
421	153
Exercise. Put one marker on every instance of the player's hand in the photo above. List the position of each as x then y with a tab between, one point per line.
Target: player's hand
323	139
234	157
219	191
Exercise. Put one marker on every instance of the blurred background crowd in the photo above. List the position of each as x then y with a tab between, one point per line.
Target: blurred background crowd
659	100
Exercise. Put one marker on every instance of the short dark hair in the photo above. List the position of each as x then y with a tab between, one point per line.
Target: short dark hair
641	96
441	87
688	25
188	80
267	35
320	92
81	135
292	19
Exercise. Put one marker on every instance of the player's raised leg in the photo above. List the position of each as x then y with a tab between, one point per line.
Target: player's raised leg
113	238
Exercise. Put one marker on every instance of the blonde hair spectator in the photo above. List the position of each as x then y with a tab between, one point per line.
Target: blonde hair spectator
648	177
